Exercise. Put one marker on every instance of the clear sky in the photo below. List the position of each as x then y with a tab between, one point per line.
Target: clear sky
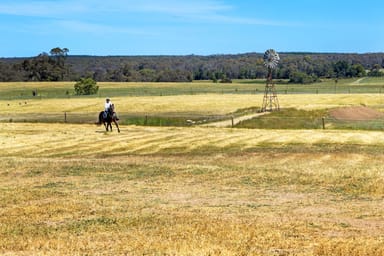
181	27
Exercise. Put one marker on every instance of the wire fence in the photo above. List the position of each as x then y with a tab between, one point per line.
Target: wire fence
168	119
175	119
354	124
327	122
185	90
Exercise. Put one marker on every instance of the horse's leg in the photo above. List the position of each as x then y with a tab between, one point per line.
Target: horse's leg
110	125
117	125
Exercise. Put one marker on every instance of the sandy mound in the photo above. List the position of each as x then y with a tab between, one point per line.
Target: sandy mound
356	113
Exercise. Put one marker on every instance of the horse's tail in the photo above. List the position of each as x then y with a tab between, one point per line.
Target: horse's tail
100	118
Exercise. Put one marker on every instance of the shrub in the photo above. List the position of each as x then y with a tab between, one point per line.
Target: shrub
302	78
86	86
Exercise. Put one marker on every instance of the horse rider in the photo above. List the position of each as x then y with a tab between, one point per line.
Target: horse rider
107	106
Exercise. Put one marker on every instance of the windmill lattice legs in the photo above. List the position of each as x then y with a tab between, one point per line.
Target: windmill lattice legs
270	100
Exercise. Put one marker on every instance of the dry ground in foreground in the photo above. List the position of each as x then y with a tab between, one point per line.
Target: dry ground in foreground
76	190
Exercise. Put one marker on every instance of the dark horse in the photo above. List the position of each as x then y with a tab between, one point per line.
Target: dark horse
109	118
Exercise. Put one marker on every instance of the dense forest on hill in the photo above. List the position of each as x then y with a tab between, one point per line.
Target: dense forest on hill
297	67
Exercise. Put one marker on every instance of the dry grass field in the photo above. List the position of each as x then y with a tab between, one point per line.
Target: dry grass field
75	190
205	103
85	110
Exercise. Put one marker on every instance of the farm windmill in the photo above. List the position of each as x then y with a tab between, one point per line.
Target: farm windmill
270	101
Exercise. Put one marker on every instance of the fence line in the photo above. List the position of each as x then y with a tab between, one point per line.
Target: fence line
281	89
264	122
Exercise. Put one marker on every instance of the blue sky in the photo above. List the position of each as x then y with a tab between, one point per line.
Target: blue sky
181	27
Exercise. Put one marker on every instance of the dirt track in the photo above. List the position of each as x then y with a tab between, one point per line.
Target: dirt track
236	120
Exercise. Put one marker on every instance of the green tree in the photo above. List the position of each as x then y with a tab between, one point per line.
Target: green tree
341	68
59	55
86	86
45	67
302	78
57	51
375	71
357	70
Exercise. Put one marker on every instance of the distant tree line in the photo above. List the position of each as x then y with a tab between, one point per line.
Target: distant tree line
57	65
44	67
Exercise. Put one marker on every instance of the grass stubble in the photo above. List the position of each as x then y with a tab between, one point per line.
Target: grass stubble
75	190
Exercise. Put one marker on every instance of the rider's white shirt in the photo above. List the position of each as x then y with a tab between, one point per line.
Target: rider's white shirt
107	105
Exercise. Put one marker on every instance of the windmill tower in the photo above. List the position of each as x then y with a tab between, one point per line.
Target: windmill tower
270	101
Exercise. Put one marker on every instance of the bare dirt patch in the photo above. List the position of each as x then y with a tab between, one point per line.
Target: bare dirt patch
356	113
236	120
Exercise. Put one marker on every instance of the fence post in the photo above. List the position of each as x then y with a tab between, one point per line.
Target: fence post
323	120
65	117
232	121
146	120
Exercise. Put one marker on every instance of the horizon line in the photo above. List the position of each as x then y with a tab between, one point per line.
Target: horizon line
193	54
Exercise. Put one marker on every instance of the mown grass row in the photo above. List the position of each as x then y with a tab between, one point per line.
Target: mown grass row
36	139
